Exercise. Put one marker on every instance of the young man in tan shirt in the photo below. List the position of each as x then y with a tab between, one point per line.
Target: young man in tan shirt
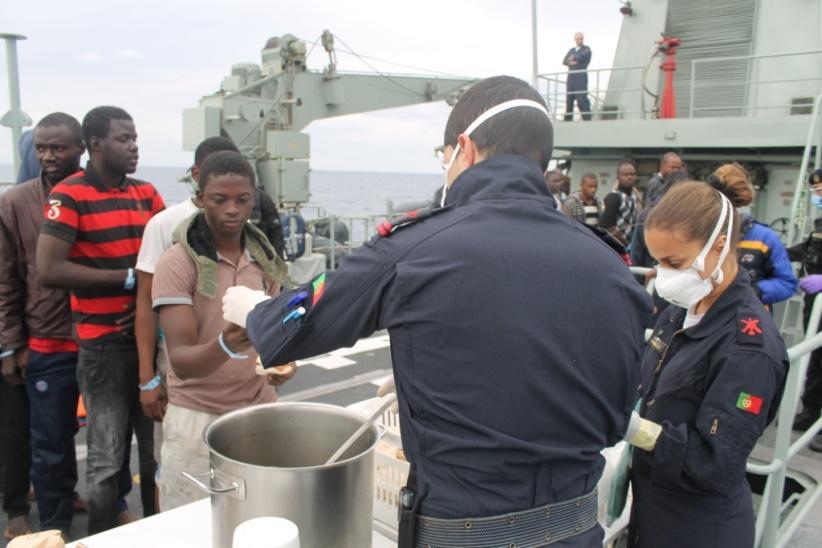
212	362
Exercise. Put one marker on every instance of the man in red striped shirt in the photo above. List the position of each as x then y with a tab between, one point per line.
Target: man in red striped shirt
89	241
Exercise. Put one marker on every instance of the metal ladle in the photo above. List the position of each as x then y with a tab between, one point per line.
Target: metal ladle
388	401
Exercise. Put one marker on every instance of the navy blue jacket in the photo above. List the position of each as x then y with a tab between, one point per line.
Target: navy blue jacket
583	59
713	387
762	254
515	337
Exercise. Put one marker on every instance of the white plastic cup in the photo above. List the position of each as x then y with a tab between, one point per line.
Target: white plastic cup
268	532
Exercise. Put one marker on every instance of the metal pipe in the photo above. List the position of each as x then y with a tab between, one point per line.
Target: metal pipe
331	234
760	56
15	118
534	62
693	88
773	505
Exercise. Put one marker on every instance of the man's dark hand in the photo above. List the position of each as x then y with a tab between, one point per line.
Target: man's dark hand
236	338
278	375
126	324
154	403
14	367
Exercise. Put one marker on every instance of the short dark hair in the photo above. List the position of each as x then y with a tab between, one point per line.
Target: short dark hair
667	156
224	162
97	122
626	161
589	175
521	131
62	119
212	145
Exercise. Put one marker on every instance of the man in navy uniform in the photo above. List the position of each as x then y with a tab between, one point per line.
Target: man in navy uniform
490	302
577	59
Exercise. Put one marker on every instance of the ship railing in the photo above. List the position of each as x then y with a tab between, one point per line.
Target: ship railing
705	84
361	228
707	90
778	518
598	79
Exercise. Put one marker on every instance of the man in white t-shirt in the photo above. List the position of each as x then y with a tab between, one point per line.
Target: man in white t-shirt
157	238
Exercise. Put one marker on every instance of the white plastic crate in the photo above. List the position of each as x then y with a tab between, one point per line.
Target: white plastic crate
390	475
390	472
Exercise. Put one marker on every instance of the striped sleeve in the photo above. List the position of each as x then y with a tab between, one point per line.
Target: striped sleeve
61	215
157	204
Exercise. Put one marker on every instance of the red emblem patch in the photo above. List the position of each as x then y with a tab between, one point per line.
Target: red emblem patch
750	327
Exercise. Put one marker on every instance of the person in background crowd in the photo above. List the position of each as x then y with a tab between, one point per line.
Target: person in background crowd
584	206
212	367
29	166
566	185
760	251
621	207
577	59
35	333
711	382
809	253
89	241
639	251
555	179
670	161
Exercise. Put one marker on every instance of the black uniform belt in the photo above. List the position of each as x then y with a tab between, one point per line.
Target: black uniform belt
536	527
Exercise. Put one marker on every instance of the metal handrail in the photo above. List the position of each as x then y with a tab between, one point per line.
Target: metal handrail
747	82
800	202
768	521
557	84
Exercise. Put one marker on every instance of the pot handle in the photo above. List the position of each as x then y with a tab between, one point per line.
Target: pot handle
236	488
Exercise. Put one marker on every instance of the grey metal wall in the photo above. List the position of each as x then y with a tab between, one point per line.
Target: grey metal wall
711	29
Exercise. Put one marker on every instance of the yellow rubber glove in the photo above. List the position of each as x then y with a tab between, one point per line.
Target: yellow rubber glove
642	433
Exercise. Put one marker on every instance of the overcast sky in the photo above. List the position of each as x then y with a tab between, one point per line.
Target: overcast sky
155	58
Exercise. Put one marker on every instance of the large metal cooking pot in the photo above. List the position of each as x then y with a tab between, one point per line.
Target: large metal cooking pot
267	460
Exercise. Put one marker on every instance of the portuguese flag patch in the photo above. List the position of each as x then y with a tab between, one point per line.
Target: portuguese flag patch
319	287
749	403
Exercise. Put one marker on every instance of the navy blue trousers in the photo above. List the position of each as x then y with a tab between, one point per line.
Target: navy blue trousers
670	518
577	90
52	389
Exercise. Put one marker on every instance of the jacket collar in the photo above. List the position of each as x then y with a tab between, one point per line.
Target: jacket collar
725	307
195	237
500	177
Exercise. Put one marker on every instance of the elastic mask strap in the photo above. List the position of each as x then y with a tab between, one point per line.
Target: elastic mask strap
718	275
528	103
699	262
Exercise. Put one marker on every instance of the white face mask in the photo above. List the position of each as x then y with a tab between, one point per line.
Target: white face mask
686	287
480	119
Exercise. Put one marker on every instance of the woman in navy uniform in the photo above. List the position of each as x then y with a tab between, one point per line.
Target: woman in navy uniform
711	380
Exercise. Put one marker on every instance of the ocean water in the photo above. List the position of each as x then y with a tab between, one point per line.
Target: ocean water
341	193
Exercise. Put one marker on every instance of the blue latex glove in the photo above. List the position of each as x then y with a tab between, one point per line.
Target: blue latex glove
811	284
